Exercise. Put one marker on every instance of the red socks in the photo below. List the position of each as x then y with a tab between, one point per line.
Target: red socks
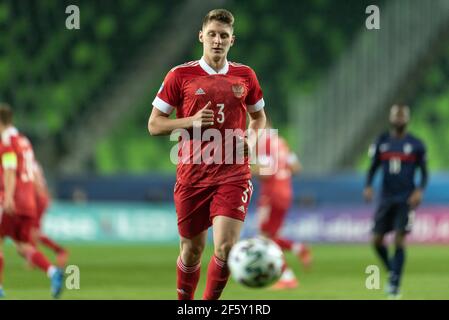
50	244
187	280
217	277
285	244
38	259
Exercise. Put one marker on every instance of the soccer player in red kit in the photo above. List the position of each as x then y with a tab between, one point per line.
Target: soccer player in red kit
218	94
17	198
276	196
42	203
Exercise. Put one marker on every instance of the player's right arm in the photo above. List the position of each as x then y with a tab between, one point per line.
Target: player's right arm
375	163
168	98
9	164
160	123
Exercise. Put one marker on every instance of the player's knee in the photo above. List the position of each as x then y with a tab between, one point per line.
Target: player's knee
223	249
377	241
191	253
399	240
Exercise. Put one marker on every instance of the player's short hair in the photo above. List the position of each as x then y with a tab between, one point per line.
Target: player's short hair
5	114
220	15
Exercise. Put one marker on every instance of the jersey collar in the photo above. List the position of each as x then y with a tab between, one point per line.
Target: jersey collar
210	70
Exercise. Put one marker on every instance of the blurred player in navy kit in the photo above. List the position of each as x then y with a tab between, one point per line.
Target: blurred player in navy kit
399	153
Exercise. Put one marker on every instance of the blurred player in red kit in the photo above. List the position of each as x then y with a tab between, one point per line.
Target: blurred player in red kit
274	168
214	95
42	204
18	200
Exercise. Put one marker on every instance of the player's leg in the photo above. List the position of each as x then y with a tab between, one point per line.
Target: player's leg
2	265
271	219
269	226
226	232
5	230
23	237
192	209
227	212
39	237
189	265
61	253
397	262
383	223
403	222
381	249
38	259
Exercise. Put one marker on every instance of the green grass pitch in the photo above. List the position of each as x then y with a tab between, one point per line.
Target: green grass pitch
148	272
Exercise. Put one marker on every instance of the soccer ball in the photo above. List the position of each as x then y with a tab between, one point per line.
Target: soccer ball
256	262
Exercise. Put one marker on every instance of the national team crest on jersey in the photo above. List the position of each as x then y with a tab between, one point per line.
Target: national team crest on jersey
238	90
408	148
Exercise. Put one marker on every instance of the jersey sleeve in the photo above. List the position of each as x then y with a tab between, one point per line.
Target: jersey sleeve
421	155
169	94
9	159
421	161
373	153
254	99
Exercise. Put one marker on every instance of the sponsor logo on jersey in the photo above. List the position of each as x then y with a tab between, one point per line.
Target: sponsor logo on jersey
199	92
241	208
383	147
238	90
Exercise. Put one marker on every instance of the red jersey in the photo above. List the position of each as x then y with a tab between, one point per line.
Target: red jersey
18	146
278	156
41	189
233	91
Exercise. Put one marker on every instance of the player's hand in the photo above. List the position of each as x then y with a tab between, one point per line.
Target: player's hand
415	198
368	194
204	117
9	206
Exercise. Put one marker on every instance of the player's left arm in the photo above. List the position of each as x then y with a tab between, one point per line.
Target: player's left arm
257	121
257	118
415	198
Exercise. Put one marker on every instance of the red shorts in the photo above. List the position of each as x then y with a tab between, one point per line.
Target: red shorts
271	214
17	227
196	207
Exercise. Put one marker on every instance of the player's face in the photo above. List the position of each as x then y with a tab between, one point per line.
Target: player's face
217	39
399	118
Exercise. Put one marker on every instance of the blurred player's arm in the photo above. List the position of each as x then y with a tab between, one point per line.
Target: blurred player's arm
375	163
160	123
39	180
294	164
9	163
417	195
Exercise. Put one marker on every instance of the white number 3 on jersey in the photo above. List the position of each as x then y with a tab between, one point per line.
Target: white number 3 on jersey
221	116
